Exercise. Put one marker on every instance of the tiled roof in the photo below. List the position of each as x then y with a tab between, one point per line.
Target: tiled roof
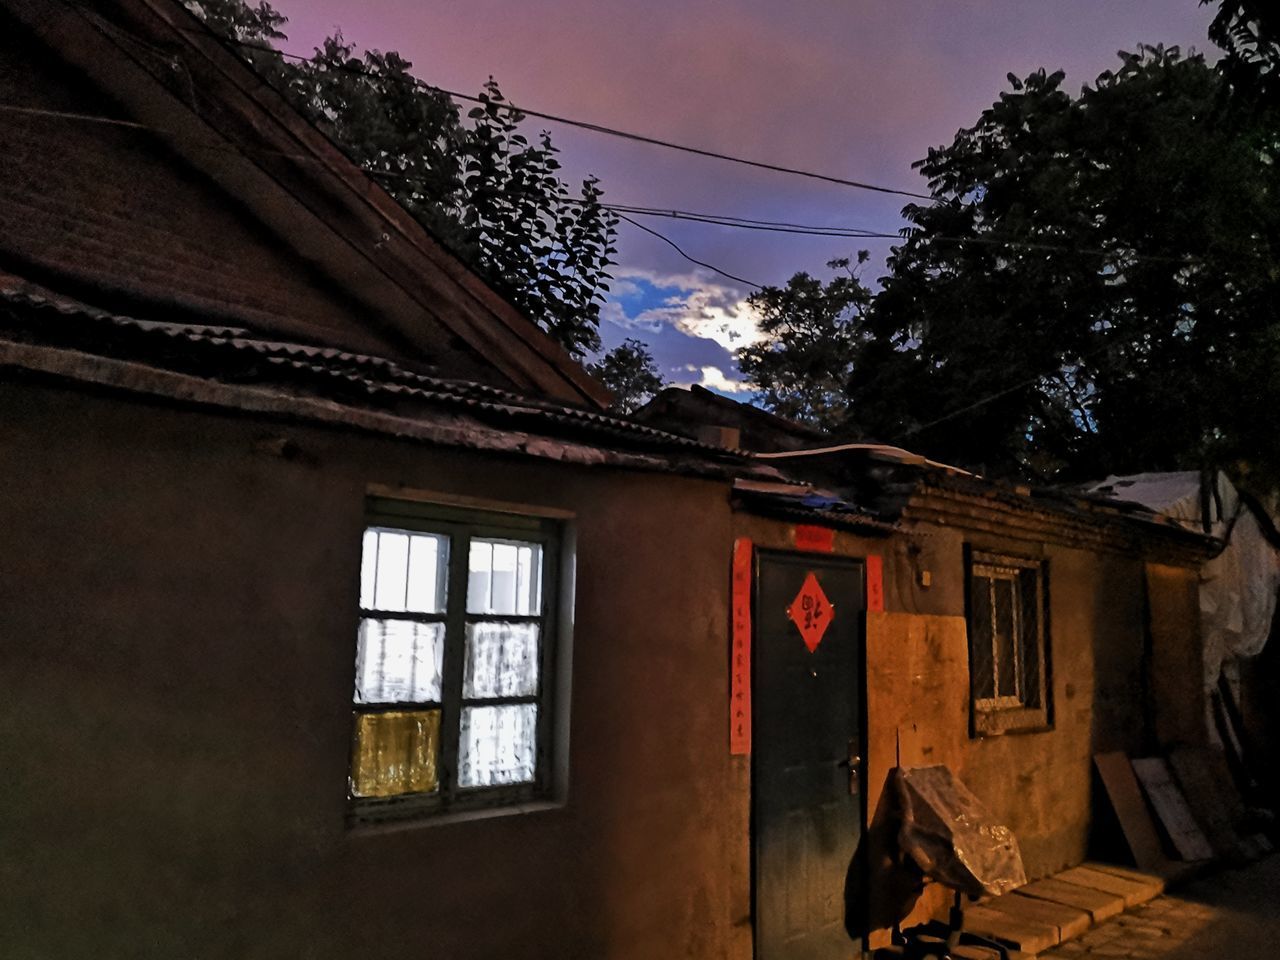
228	354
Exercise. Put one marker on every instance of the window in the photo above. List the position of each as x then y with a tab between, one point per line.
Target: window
1008	650
451	701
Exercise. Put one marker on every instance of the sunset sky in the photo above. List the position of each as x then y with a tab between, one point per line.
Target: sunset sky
858	89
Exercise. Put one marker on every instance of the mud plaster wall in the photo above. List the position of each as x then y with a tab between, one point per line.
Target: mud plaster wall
917	705
177	623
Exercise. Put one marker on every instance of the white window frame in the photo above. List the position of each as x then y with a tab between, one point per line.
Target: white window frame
460	525
1027	707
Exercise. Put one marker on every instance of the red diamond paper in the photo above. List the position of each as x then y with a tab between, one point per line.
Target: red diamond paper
811	612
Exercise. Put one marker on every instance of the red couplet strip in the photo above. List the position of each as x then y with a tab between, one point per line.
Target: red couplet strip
815	539
875	583
740	665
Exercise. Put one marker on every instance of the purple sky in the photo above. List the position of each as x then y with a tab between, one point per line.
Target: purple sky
856	88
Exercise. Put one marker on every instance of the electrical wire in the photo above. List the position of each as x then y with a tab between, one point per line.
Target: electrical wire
711	219
607	130
676	247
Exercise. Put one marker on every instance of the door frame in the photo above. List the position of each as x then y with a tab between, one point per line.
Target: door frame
759	555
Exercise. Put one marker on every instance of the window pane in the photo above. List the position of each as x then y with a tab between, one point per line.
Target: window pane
502	660
428	573
403	571
1005	624
497	745
981	641
505	578
398	661
395	753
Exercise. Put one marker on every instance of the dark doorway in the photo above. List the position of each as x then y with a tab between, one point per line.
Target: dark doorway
807	741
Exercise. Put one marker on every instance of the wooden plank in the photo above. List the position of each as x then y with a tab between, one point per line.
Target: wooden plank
1070	921
1133	892
1171	807
1206	795
1100	906
1131	809
1156	882
1029	936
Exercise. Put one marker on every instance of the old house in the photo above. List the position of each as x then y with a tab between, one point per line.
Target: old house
340	619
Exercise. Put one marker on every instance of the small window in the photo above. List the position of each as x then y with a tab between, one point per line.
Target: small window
1008	650
451	700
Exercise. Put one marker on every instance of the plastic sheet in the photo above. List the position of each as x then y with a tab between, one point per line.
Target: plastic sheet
1238	587
947	834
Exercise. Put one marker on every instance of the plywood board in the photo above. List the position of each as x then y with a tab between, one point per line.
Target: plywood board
1171	807
1133	892
1070	921
1208	798
1029	936
1131	809
1100	906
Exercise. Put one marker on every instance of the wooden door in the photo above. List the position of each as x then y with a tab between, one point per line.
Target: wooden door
807	726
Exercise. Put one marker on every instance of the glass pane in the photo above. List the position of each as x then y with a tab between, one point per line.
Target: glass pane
403	571
505	578
980	640
395	753
498	745
398	661
502	660
1005	623
427	573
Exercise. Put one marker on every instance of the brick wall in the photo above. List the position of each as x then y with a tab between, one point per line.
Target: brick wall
109	214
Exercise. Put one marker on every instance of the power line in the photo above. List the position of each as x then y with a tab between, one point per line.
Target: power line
712	219
676	247
606	130
860	233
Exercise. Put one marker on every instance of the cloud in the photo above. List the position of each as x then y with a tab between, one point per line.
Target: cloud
647	301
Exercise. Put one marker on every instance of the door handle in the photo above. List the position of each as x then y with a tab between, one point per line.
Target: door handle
854	763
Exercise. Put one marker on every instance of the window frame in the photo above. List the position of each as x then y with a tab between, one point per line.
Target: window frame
461	525
1010	714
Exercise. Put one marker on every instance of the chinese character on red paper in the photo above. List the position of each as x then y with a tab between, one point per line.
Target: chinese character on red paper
811	612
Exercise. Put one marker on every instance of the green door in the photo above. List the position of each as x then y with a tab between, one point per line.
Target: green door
806	729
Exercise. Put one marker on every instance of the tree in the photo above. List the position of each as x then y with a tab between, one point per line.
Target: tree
1248	31
630	373
482	187
812	334
1093	288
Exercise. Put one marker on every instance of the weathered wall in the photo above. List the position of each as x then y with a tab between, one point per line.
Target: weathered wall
1039	784
108	213
177	618
1178	689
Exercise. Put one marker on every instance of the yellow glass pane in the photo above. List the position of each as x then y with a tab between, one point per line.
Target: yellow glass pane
395	752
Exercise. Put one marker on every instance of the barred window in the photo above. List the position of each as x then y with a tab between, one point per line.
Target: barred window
1007	643
452	660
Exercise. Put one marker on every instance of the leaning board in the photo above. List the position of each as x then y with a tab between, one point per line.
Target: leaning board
1131	810
1171	807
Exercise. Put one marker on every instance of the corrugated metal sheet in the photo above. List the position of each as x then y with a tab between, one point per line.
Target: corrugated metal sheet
236	355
